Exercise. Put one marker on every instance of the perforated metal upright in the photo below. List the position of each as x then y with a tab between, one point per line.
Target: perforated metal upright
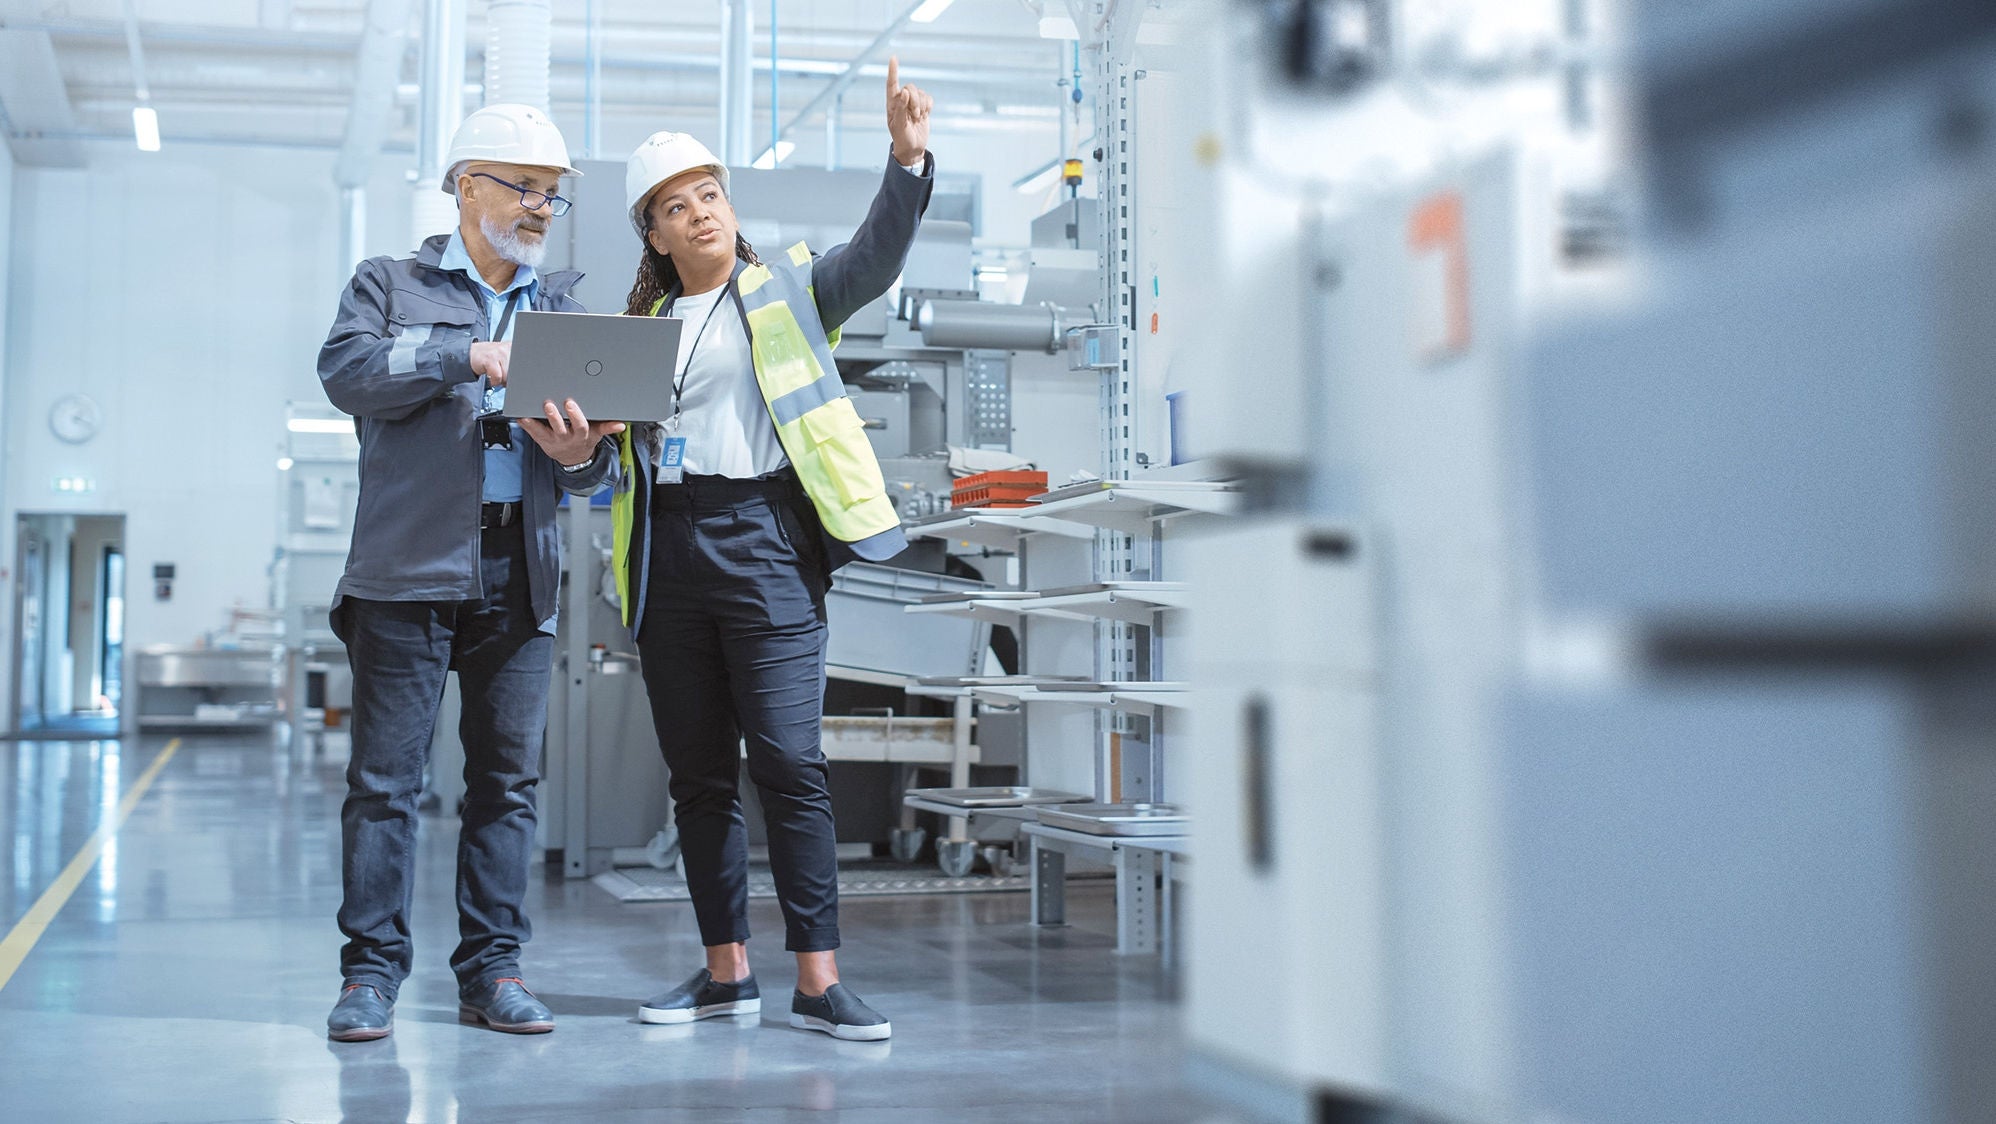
1127	753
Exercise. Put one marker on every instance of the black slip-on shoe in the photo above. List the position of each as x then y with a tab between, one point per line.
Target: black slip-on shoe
702	997
361	1015
507	1006
840	1014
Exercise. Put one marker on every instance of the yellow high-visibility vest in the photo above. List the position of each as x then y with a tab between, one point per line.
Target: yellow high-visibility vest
816	423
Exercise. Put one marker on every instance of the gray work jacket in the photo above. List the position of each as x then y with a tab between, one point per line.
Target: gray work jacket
399	360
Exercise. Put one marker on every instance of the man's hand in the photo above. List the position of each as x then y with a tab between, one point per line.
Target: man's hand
907	116
489	358
570	440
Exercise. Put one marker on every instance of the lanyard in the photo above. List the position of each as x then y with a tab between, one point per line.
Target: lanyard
505	320
506	317
679	384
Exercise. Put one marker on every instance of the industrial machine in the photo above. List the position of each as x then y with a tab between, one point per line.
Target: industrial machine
1605	733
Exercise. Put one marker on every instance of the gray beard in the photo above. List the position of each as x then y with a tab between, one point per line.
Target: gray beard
509	245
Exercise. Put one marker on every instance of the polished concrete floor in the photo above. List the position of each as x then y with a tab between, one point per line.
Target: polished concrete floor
188	979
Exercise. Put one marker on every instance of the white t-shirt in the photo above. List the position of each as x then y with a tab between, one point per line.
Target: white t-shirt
721	412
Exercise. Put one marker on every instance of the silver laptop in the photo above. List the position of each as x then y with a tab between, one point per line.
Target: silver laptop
617	368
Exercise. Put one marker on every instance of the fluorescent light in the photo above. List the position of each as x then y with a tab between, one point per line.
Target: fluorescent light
319	425
284	464
771	157
145	126
1034	182
928	12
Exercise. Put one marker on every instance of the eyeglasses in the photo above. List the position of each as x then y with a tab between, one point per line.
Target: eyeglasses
533	200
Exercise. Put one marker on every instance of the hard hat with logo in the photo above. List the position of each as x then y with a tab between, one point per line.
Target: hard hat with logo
662	156
506	133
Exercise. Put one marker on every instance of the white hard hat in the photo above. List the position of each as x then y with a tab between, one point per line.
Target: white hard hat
663	155
506	134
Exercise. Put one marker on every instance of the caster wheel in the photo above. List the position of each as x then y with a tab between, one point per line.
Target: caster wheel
956	859
999	859
905	843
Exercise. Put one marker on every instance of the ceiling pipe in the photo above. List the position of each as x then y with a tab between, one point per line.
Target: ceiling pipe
837	86
377	70
442	83
592	80
737	71
517	52
568	40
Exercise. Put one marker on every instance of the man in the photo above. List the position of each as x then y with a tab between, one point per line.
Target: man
454	566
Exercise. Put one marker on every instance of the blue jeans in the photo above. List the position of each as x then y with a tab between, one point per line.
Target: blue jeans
399	652
733	651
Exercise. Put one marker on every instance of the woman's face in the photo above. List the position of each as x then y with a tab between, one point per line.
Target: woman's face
692	220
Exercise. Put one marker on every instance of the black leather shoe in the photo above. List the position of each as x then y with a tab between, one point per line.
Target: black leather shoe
506	1005
840	1014
361	1015
702	997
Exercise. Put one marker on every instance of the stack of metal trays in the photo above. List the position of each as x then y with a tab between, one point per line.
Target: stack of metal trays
997	680
996	796
1117	819
980	595
1109	686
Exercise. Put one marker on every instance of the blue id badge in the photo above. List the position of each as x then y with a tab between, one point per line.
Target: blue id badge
672	466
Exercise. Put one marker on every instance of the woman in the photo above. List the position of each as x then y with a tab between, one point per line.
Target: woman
730	518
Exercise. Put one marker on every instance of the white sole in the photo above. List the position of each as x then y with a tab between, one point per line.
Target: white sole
849	1033
657	1016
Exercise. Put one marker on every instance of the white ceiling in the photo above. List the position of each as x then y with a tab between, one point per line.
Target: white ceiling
282	71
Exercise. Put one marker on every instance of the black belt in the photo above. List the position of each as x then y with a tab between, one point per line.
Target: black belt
498	515
720	491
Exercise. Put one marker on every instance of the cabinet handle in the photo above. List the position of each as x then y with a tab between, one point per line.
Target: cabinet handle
1258	810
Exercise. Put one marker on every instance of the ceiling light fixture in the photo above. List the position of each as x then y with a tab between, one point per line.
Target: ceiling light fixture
145	127
319	425
771	157
145	119
929	10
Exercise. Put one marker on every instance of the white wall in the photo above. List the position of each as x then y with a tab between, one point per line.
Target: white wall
188	292
7	575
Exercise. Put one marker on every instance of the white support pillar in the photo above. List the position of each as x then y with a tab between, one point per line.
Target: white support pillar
441	81
737	76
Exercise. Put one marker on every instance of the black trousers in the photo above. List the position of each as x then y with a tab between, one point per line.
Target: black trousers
733	649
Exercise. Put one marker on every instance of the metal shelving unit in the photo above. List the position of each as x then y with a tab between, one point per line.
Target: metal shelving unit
209	688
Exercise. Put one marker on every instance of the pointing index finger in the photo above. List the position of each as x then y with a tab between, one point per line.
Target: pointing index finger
893	75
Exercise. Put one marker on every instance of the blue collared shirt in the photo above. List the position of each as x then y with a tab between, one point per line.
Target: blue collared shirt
504	468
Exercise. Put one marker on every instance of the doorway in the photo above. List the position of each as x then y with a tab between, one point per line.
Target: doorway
69	613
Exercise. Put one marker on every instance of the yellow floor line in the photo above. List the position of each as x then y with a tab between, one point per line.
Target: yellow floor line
22	938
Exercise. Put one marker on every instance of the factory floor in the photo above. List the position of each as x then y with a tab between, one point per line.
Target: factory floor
186	976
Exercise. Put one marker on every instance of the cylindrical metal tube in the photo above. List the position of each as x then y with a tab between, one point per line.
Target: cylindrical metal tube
442	73
442	78
737	78
516	52
353	228
1003	327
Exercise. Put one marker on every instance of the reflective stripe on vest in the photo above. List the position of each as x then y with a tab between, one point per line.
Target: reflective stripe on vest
816	423
623	504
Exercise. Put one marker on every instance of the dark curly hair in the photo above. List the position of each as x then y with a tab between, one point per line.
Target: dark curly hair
657	275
